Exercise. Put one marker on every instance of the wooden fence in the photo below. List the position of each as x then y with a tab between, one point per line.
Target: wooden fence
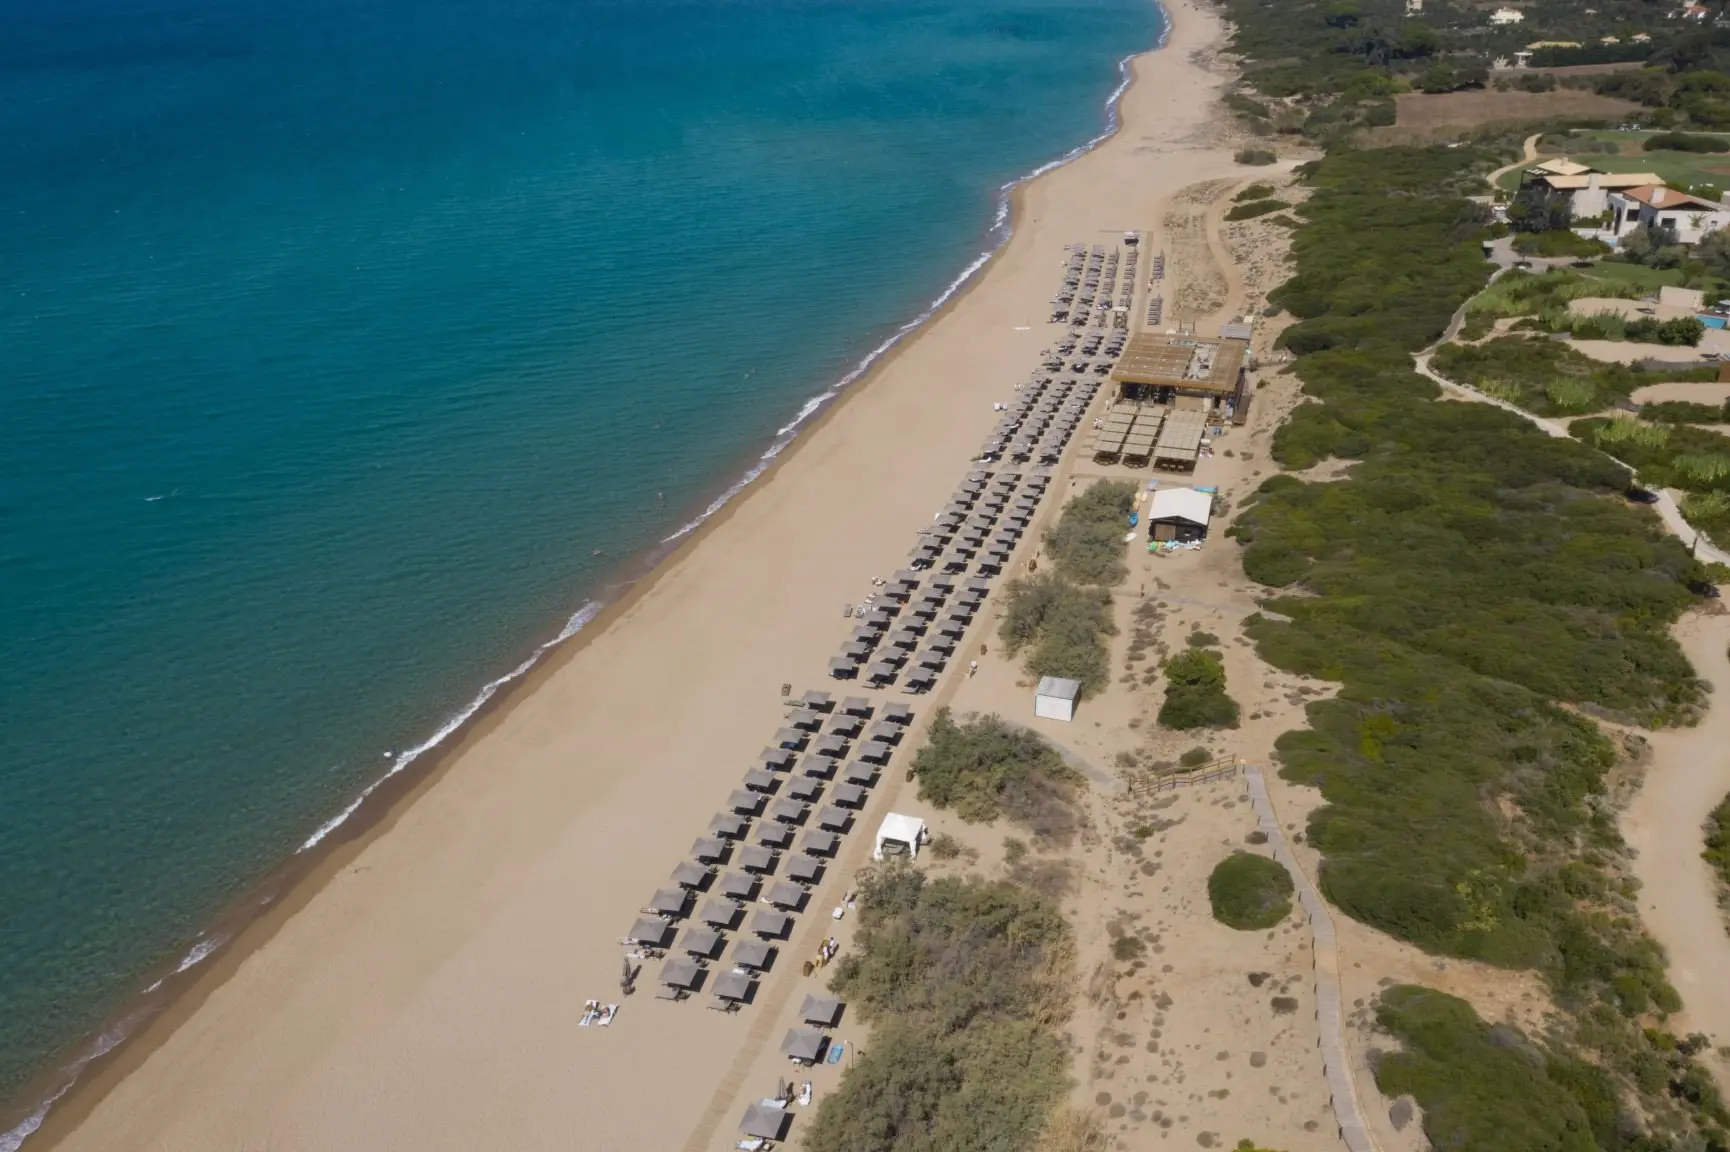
1220	769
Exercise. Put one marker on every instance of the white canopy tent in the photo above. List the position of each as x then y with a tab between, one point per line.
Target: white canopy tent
896	829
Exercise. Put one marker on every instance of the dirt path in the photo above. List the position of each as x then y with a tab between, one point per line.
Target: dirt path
1689	775
1528	155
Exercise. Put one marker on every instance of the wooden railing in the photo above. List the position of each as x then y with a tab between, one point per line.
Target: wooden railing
1220	769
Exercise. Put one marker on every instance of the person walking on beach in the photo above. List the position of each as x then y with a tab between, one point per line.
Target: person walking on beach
972	667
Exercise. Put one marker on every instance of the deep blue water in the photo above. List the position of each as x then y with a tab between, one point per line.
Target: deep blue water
337	335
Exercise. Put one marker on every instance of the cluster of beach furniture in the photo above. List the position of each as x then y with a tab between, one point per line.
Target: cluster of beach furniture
1155	300
1089	283
745	874
1107	346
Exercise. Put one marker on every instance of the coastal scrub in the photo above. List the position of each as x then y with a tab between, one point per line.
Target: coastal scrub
1249	892
1195	695
988	768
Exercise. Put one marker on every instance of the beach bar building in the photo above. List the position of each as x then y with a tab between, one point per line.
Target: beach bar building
1178	514
1181	371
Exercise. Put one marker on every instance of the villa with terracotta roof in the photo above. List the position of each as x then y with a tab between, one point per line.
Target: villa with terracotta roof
1690	217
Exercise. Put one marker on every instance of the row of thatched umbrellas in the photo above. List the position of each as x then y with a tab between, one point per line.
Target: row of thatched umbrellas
782	794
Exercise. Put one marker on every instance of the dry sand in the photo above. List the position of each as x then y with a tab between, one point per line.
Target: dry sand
426	997
1689	774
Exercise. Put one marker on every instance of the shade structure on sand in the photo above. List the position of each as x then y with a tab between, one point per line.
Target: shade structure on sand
763	1123
884	732
805	789
720	912
753	858
777	758
788	811
728	826
700	941
707	849
771	834
753	954
834	818
874	752
745	802
817	767
770	925
821	701
679	973
823	1011
830	745
785	894
841	668
739	886
859	772
689	875
733	986
803	1044
806	869
897	714
848	795
759	780
856	706
806	719
670	901
790	738
651	932
819	843
847	726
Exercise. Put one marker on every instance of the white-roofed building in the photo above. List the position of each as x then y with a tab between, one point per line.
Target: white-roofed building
899	833
1178	514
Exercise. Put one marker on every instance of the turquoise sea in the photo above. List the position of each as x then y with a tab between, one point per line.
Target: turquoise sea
350	348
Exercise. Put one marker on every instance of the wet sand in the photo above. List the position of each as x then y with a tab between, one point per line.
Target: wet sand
426	995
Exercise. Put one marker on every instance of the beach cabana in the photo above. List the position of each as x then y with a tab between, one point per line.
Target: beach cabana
943	644
952	628
760	781
877	619
931	661
720	912
689	875
805	789
817	767
753	858
753	954
707	849
860	773
856	706
830	745
746	802
804	1045
650	932
790	738
738	886
734	988
834	819
763	1122
788	811
919	680
819	843
885	732
700	941
773	835
817	701
875	752
679	976
904	638
805	719
821	1011
880	673
776	759
670	902
857	651
728	826
787	896
841	668
846	726
771	925
899	833
805	869
848	796
898	714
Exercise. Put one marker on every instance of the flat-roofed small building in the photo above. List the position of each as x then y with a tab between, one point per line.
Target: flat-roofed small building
1185	372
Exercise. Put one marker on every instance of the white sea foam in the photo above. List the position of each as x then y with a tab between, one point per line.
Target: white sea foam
12	1139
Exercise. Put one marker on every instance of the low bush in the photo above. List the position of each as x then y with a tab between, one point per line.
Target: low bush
1663	455
986	768
1249	892
1682	331
1559	242
1684	142
1064	628
1685	412
965	983
1195	695
1542	376
1255	156
1194	758
1254	208
1717	851
1087	541
1254	192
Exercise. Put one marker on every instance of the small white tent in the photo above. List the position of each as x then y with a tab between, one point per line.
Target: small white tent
900	831
1054	699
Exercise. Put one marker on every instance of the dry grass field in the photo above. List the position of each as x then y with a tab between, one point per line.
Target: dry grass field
1423	117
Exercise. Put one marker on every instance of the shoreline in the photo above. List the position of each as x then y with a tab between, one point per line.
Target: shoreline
82	1075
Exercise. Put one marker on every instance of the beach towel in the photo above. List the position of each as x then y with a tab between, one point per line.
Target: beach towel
835	1051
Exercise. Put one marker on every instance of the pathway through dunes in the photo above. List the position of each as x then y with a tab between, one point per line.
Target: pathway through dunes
1688	776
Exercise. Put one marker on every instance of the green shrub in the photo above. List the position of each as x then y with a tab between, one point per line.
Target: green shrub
1254	192
1684	142
964	984
1255	208
1255	156
986	768
1249	892
1559	242
1684	412
1542	376
1717	851
1087	541
1064	626
1195	695
1195	758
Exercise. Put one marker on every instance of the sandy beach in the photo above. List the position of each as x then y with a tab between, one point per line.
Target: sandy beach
426	994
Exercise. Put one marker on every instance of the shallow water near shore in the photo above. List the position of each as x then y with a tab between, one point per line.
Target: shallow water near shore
351	345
